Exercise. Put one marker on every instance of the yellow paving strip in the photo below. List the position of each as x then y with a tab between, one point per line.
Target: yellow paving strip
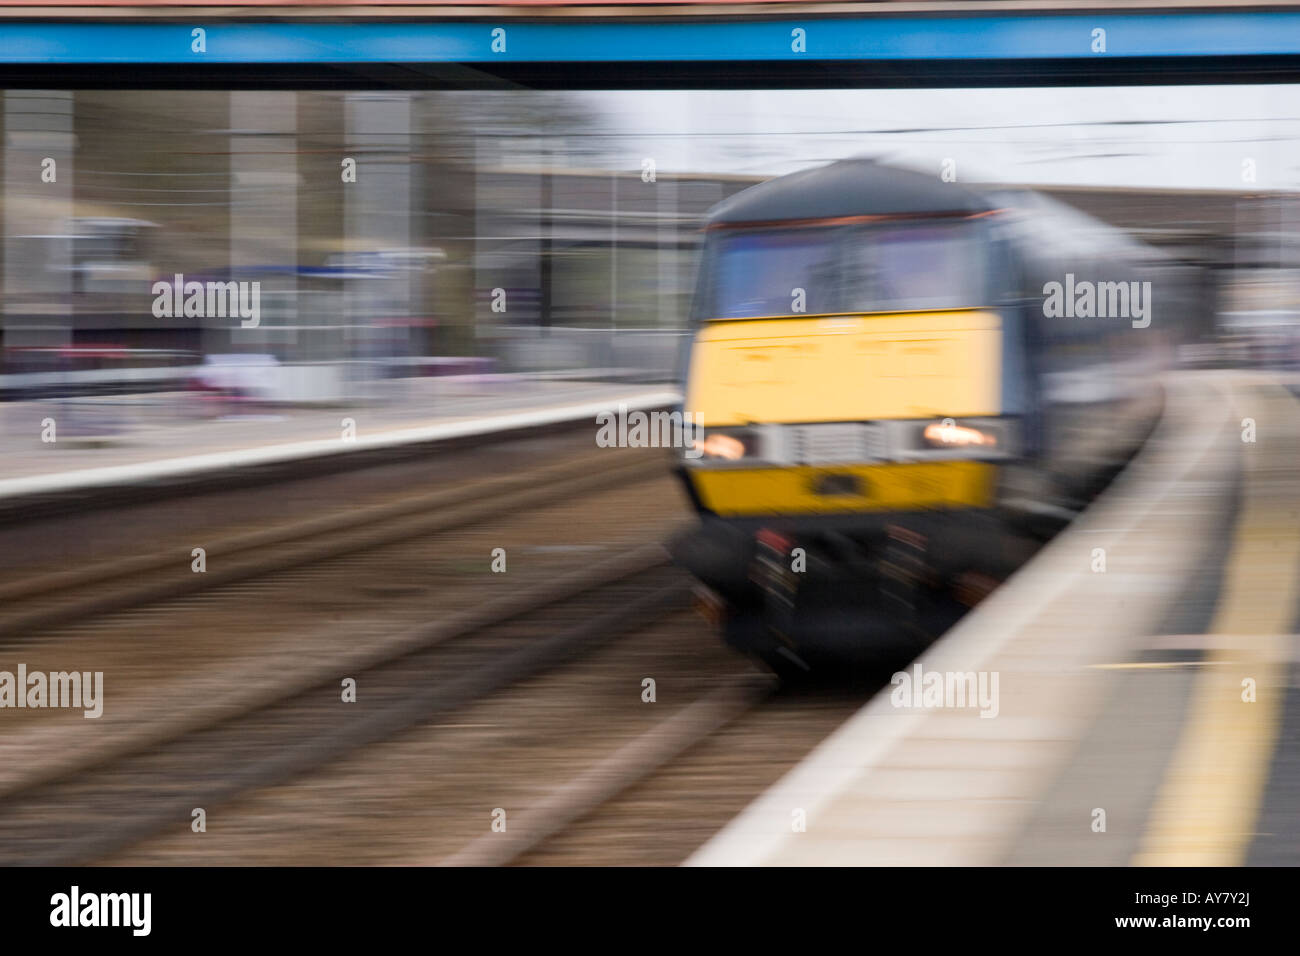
1151	665
1206	811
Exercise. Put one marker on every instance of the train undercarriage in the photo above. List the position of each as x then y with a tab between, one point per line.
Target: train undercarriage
806	599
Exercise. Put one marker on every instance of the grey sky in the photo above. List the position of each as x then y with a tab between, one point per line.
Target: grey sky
1178	137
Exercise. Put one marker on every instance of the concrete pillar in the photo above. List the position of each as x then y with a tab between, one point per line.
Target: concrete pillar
508	223
39	282
377	211
264	211
670	280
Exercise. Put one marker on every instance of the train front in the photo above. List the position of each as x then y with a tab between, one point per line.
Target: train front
858	395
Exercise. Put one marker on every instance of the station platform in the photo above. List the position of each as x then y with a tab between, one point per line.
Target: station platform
1143	679
108	442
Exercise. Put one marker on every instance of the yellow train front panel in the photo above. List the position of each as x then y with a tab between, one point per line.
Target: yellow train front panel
846	368
781	375
810	490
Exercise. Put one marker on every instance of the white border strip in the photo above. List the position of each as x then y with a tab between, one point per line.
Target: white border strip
87	478
759	831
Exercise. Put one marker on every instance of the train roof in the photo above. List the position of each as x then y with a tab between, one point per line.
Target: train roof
850	187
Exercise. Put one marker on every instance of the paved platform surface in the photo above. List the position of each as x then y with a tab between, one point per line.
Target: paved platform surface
1142	711
146	436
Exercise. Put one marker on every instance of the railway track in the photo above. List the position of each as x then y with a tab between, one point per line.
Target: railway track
628	766
86	810
45	601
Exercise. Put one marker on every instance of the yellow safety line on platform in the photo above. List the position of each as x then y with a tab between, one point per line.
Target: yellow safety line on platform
1150	665
1206	811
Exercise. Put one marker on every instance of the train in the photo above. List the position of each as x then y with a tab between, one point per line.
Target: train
904	387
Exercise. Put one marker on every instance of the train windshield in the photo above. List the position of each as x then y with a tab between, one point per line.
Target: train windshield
883	267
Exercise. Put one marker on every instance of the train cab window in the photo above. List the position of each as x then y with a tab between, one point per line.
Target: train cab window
869	268
761	273
915	266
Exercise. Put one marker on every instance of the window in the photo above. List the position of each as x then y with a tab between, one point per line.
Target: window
866	268
921	266
757	273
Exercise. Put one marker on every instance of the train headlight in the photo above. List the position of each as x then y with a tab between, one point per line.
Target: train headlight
725	445
949	434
